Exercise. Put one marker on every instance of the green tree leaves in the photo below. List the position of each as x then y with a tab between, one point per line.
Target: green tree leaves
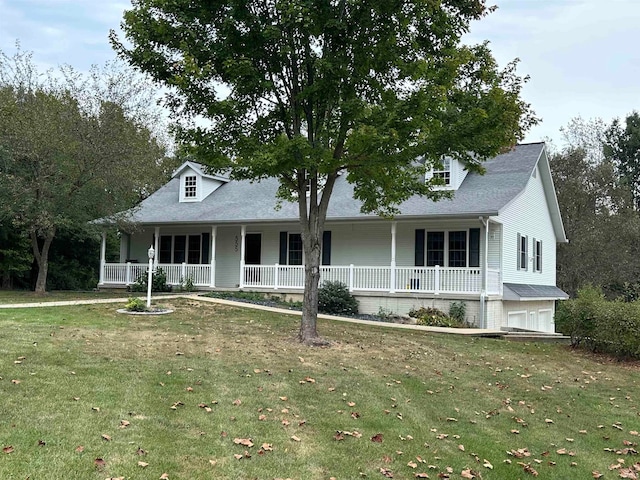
304	89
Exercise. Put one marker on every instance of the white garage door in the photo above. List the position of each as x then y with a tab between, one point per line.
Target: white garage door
546	320
517	319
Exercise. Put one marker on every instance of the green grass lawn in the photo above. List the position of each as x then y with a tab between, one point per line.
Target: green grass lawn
211	391
25	296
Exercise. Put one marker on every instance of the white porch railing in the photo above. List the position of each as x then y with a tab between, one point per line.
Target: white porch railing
127	273
433	280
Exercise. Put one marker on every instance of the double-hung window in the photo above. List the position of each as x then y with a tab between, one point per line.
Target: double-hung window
290	248
445	172
537	255
190	187
523	252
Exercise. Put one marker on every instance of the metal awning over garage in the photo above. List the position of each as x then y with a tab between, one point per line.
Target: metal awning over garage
521	292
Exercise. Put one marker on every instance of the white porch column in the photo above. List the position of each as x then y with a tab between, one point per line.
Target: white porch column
243	234
103	257
393	256
156	243
212	280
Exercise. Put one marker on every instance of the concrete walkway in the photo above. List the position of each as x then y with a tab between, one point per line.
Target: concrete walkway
470	332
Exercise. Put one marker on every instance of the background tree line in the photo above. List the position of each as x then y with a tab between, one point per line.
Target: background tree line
73	148
597	180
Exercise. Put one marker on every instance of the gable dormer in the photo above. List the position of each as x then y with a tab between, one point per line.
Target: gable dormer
195	184
451	171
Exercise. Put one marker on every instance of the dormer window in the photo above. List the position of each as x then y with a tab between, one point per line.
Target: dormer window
445	172
190	184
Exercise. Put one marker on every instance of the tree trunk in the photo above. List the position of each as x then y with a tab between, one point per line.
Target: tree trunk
42	259
308	331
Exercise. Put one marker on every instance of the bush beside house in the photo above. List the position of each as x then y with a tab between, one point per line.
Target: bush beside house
600	325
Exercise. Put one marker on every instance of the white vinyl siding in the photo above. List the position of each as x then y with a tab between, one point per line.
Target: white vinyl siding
361	244
495	246
528	215
227	257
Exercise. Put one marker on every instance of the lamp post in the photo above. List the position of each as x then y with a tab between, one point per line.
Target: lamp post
151	254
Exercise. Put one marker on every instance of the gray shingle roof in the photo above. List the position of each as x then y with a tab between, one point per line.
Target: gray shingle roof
242	201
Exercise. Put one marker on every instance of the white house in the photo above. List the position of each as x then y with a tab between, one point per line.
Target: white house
493	245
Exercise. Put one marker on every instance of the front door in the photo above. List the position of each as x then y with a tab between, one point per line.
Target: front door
252	250
252	242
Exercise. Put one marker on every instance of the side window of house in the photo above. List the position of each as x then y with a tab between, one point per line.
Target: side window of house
523	254
537	255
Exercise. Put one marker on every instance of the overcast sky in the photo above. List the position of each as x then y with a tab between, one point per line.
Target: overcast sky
582	56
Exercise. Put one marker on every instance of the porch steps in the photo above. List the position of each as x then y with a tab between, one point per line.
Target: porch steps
522	335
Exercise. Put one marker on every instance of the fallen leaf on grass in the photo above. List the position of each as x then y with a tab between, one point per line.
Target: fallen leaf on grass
8	449
412	464
140	451
99	462
295	439
106	437
377	438
246	442
597	474
528	469
386	473
143	464
237	402
164	476
79	449
124	423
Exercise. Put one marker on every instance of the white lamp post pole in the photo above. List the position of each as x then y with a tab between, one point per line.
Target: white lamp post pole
151	254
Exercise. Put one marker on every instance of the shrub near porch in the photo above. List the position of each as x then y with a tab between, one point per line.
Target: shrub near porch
218	392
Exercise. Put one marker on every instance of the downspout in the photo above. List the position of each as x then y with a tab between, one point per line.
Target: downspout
483	292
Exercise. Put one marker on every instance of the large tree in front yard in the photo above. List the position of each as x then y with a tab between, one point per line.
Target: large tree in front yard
67	155
303	90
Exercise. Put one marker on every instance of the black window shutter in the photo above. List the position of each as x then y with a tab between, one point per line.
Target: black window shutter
206	244
474	247
419	248
283	248
326	247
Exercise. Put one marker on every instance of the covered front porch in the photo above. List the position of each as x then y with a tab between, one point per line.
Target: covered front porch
451	257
